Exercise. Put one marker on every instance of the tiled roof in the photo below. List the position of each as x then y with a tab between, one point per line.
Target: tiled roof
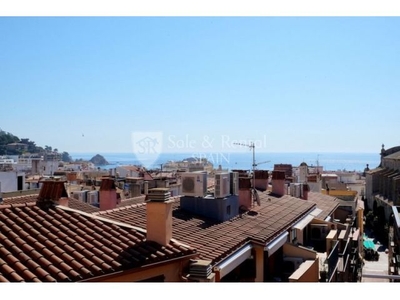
72	203
376	170
19	199
82	206
215	241
134	200
327	203
58	244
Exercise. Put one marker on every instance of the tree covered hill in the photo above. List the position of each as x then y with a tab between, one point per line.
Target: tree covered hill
13	145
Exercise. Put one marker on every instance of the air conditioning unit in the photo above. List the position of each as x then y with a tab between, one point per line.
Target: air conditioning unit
80	195
296	190
222	185
234	183
194	184
93	197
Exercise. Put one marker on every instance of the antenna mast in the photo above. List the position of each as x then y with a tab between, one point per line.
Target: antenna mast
252	147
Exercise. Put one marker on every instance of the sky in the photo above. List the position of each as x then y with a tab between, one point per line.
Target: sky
201	83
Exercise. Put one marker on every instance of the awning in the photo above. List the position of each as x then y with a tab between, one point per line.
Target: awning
307	219
276	243
316	212
234	260
303	222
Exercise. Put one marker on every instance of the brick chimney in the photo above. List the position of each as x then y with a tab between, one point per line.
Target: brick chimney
261	179
278	183
108	194
52	192
245	197
306	189
159	216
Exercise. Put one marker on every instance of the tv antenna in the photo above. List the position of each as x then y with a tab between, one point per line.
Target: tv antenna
264	162
254	165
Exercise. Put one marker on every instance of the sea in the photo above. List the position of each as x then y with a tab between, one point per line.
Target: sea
244	161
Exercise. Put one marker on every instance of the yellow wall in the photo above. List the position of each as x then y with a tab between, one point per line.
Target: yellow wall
294	251
259	253
336	193
360	219
309	270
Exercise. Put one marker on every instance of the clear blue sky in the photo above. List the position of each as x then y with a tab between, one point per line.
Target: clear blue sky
293	84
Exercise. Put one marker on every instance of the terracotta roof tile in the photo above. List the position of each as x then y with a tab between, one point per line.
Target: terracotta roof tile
54	243
19	199
215	240
327	203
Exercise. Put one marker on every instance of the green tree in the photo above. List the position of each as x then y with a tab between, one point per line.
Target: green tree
66	157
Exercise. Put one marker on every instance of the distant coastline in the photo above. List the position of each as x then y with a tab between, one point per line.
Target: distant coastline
330	161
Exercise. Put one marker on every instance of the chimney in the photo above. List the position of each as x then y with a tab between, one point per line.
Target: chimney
245	198
159	216
261	179
306	189
108	194
52	192
278	183
63	201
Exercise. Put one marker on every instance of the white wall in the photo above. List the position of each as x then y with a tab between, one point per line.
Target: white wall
72	167
126	173
9	181
315	186
348	178
48	167
303	170
176	190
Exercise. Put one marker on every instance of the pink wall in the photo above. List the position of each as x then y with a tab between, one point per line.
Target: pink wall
245	198
108	199
261	184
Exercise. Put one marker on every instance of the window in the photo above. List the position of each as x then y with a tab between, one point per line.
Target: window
228	210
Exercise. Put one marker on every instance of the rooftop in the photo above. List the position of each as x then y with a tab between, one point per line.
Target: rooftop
60	244
326	203
72	202
214	240
395	156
